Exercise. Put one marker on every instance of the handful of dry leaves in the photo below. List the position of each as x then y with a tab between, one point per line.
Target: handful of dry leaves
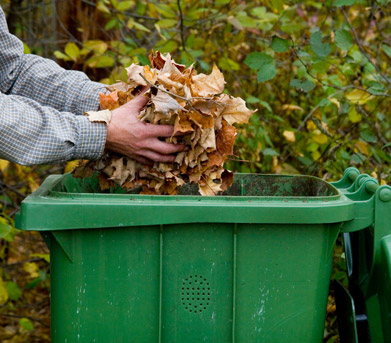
194	104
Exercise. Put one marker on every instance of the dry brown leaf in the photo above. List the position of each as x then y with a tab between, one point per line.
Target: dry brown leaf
134	78
235	110
109	101
200	114
208	85
209	185
164	103
208	139
225	139
103	116
182	124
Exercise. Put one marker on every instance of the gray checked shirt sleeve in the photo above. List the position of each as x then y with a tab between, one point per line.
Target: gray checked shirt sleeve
42	107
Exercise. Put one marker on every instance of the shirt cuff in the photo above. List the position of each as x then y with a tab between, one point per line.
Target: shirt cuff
91	139
90	97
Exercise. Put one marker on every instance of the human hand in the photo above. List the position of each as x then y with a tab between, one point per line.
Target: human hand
129	136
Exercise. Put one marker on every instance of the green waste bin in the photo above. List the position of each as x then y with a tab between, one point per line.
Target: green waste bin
252	265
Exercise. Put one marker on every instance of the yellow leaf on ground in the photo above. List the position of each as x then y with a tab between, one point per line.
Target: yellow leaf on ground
71	165
3	292
311	125
362	147
354	117
335	102
289	136
31	268
3	164
315	155
320	138
46	257
33	184
291	107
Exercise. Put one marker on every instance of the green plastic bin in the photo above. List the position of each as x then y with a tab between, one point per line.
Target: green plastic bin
252	265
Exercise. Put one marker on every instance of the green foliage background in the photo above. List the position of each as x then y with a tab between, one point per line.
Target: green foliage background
317	72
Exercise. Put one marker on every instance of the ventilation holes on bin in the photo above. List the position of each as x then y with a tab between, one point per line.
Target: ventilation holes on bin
195	296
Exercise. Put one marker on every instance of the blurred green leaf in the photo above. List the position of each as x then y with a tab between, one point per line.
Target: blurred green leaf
101	61
267	106
279	44
26	324
111	24
387	49
14	292
266	72
167	23
72	50
305	86
26	49
102	7
343	39
319	48
61	56
368	136
98	46
377	88
340	3
7	231
253	100
227	64
270	152
357	158
256	60
125	5
168	46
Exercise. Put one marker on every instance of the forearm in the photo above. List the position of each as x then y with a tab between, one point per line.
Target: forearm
46	82
42	79
34	134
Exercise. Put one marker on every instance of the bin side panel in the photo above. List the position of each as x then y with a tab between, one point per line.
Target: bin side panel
197	283
282	282
110	293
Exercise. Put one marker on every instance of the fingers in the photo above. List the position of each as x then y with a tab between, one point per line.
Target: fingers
142	160
139	101
154	156
163	147
160	130
144	90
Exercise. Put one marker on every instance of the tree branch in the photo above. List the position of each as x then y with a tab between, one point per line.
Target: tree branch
384	77
181	25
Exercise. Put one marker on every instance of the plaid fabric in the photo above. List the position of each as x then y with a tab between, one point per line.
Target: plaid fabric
42	106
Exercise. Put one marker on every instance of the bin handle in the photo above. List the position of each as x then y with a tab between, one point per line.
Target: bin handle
353	174
377	290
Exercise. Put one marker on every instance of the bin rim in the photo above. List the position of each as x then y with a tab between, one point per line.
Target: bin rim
43	210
